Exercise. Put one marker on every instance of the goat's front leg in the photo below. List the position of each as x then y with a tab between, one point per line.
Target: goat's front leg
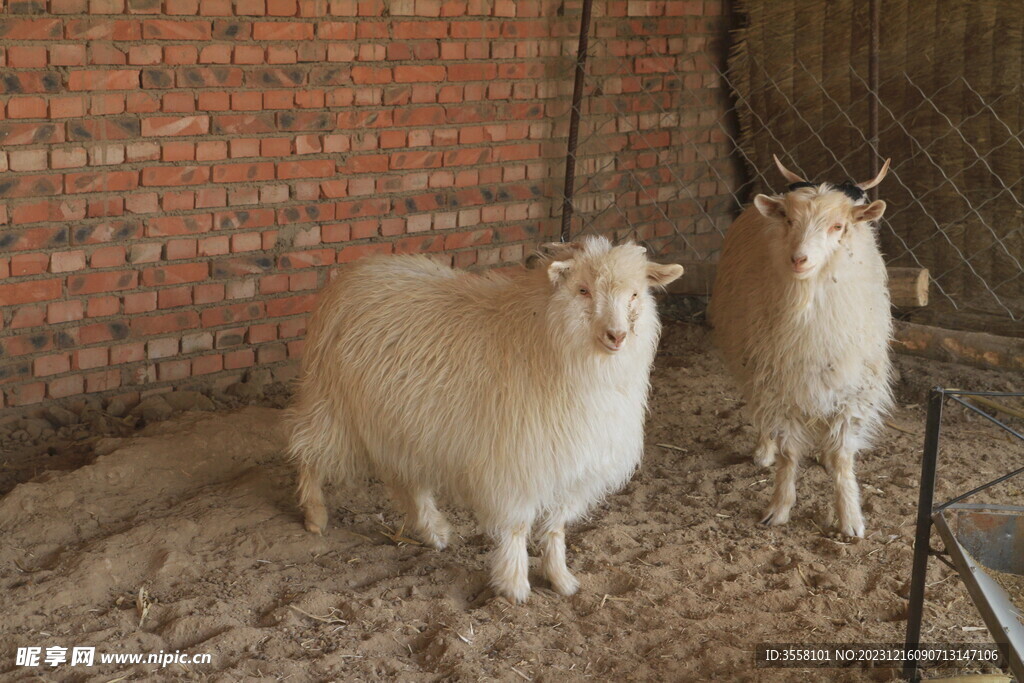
510	562
552	542
840	454
791	447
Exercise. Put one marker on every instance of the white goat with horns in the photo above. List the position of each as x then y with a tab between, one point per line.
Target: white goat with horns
800	311
521	396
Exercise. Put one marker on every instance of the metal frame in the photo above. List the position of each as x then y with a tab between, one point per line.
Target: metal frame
574	121
980	587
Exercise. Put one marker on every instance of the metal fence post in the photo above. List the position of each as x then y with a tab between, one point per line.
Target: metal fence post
922	539
574	121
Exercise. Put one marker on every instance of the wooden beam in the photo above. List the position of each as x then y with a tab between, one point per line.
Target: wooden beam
979	349
908	287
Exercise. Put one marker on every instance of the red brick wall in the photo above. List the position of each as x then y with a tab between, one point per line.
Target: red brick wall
178	176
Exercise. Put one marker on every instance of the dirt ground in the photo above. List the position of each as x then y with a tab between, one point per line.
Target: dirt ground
678	580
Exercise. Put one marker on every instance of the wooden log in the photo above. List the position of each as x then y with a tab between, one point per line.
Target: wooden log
908	287
978	349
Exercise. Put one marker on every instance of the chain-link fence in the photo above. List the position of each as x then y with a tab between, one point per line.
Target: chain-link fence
674	142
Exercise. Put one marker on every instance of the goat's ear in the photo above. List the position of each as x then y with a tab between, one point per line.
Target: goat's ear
557	270
871	212
659	275
770	207
559	251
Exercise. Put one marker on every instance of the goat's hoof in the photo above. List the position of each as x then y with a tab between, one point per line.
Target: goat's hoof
565	584
316	519
516	594
776	518
853	529
436	541
441	535
764	457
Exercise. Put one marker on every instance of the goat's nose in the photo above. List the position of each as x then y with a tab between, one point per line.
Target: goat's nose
798	260
615	337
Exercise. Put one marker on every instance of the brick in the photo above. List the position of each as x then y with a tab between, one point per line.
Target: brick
411	30
243	358
287	170
199	341
139	302
29	264
146	55
112	181
165	226
30	29
124	79
243	124
175	274
107	257
28	316
307	259
64	311
215	8
164	324
156	176
30	291
174	297
26	108
158	29
205	365
291	305
24	344
66	386
127	353
182	249
414	74
371	75
173	370
282	30
175	125
232	314
209	77
26	394
239	173
30	133
51	365
102	306
94	283
88	359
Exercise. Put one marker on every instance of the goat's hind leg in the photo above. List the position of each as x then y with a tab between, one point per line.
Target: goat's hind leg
311	497
767	448
422	514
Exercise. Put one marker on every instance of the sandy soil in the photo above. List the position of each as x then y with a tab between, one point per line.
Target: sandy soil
678	580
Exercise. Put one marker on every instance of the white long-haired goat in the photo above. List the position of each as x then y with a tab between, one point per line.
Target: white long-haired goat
800	310
522	397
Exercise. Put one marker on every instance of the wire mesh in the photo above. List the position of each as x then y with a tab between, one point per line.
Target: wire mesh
673	144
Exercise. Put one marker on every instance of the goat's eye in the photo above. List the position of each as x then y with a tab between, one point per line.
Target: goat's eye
836	228
633	298
584	291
